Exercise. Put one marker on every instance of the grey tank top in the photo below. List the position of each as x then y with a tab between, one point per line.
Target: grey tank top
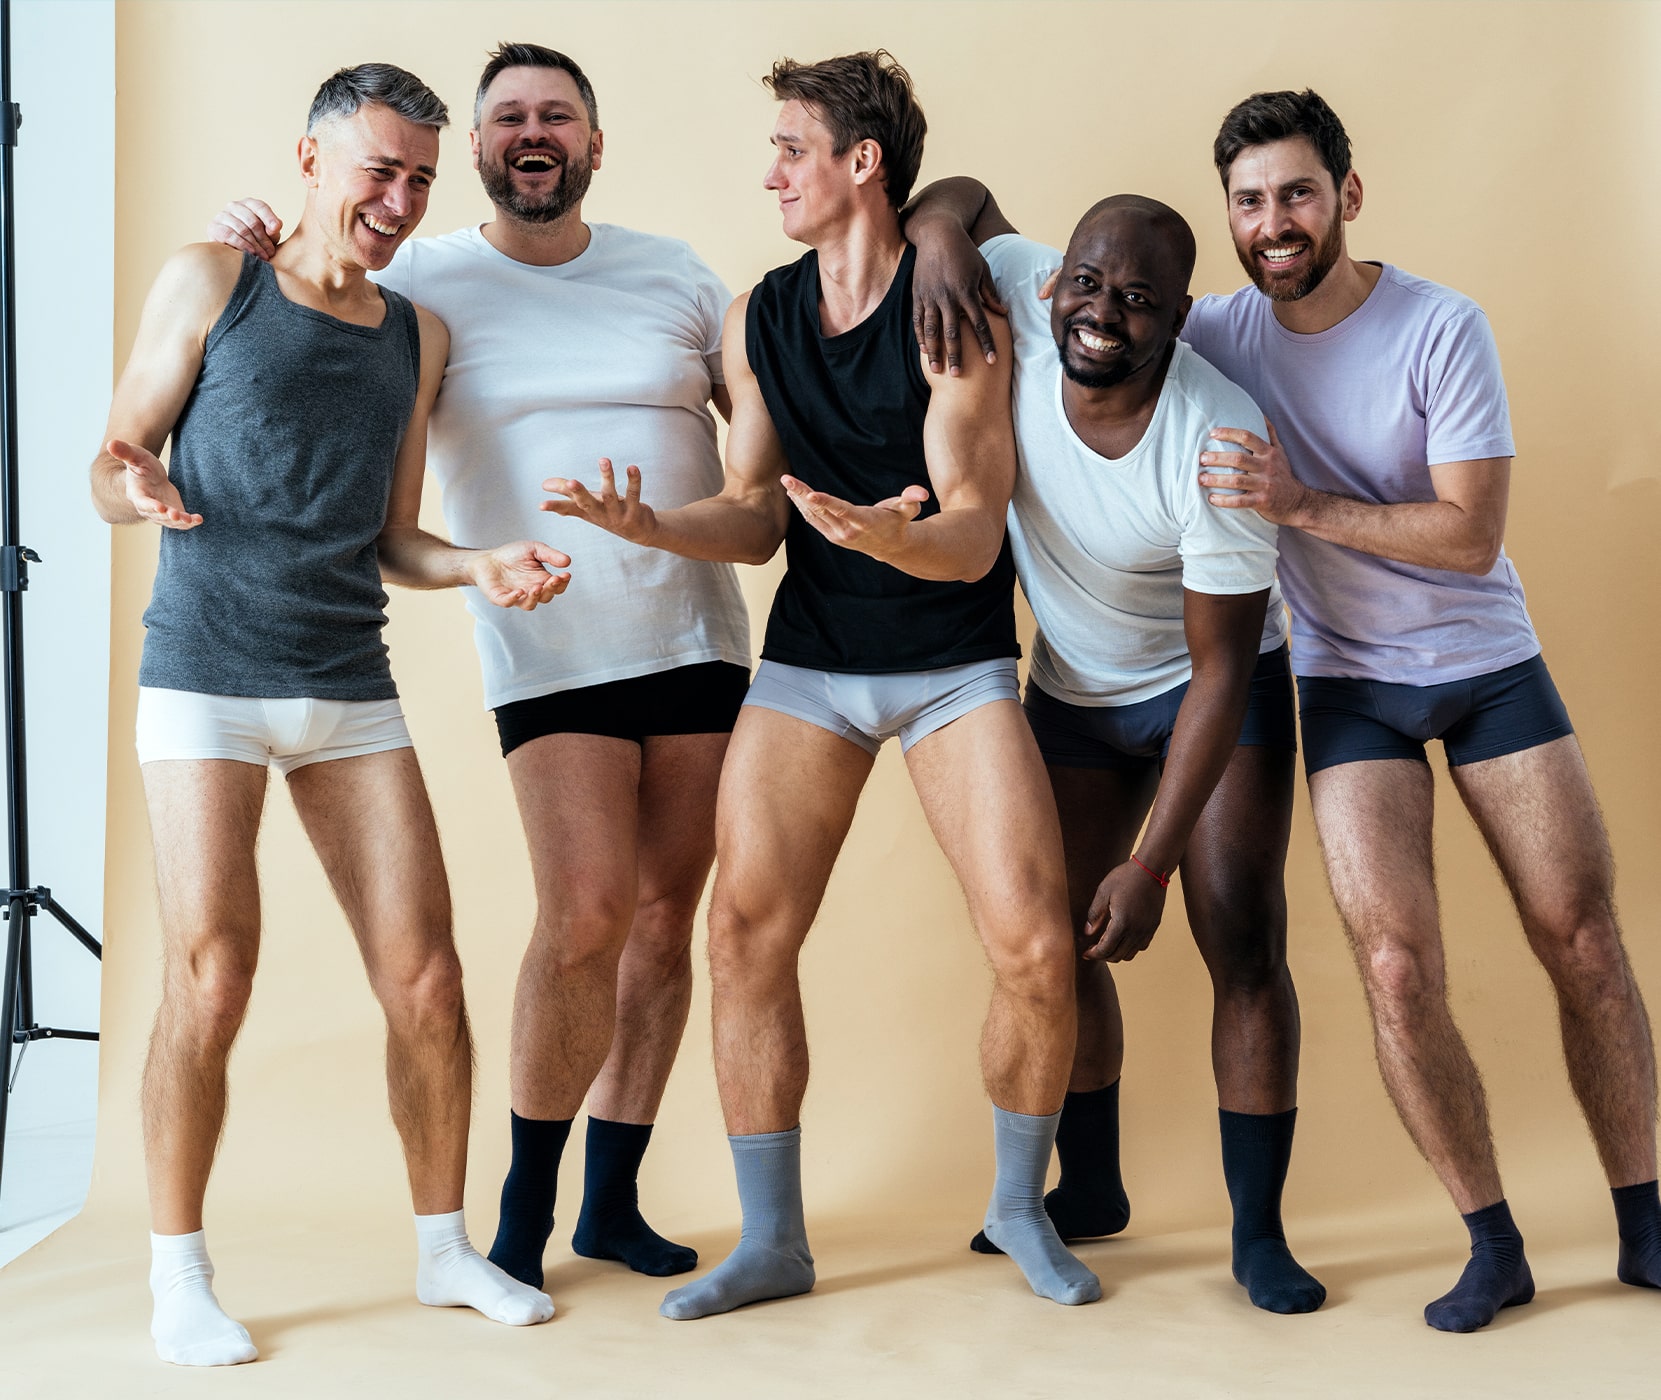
285	449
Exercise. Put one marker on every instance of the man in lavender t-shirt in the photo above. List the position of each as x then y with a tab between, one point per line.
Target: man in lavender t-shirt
1387	468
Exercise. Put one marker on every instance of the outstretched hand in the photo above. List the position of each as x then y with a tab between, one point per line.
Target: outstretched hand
877	530
248	225
625	516
1257	478
520	575
152	495
952	285
1124	915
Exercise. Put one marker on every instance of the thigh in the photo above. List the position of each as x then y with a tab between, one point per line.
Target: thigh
1101	812
372	827
1374	821
680	775
204	823
579	801
1538	814
1234	867
988	801
787	798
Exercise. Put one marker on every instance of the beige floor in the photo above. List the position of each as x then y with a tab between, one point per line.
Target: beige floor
901	1309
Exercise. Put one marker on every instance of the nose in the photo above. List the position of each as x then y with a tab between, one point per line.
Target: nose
397	198
773	180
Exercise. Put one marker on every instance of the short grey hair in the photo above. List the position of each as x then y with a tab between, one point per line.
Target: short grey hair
342	94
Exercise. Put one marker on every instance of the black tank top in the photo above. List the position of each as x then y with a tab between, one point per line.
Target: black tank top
849	410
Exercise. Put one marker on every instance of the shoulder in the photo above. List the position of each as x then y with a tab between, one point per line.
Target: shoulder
1211	393
434	332
202	271
1419	296
1019	259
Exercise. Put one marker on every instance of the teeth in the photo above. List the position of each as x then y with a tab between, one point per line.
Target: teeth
387	229
533	160
1281	254
1095	342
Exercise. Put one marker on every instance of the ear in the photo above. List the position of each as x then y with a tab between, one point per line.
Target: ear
1351	194
1183	308
308	160
867	160
473	145
596	148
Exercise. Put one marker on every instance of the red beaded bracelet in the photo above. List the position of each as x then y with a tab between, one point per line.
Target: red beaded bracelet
1163	881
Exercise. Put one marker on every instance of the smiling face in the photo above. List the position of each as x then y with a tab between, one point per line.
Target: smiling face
534	147
1120	300
369	176
1287	216
816	188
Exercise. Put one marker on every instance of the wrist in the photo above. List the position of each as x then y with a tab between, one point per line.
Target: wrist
1157	874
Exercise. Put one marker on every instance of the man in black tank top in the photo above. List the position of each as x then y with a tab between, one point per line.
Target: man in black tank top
297	398
895	616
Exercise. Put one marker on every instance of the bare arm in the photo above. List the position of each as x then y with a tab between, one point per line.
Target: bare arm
129	482
745	523
1461	530
969	442
1223	634
511	575
947	222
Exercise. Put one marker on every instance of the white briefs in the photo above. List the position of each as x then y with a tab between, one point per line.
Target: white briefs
287	733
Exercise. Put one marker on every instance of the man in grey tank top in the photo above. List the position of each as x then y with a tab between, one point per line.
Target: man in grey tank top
297	395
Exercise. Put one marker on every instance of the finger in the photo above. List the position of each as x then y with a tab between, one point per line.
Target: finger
933	345
1244	500
952	333
264	213
547	554
1228	481
131	453
1274	437
561	583
1048	289
990	299
608	481
1250	441
1229	461
919	494
632	495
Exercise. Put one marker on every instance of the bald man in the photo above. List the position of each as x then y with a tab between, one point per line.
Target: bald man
1159	688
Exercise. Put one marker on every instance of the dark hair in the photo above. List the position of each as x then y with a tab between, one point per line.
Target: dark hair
1274	116
342	94
860	97
535	56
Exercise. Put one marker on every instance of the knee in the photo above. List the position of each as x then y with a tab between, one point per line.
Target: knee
208	991
748	944
661	939
584	929
1402	981
1037	967
425	996
1581	946
1248	961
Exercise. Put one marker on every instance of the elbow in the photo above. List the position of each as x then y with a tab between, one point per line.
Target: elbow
1480	556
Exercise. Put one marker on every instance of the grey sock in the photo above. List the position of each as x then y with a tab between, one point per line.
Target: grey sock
772	1259
1015	1220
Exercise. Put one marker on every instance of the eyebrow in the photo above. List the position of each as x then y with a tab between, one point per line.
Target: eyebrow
514	104
1139	282
431	172
784	138
1284	185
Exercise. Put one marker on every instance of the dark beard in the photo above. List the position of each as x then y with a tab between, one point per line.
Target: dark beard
559	201
1104	378
1323	258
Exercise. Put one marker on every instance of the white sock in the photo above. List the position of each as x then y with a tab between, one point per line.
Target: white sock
452	1274
189	1326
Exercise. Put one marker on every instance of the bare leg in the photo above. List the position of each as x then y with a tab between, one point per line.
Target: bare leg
204	820
372	827
987	798
678	779
787	798
1540	818
1374	820
1233	883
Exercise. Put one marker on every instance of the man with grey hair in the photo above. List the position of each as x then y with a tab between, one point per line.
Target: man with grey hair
296	394
577	341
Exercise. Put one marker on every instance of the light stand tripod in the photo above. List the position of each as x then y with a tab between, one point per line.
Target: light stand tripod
17	1003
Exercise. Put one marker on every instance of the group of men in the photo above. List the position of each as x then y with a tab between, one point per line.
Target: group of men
1114	425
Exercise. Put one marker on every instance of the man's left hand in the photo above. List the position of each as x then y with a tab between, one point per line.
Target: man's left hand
877	530
1124	915
1260	475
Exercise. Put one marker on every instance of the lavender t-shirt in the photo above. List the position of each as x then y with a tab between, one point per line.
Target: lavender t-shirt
1409	380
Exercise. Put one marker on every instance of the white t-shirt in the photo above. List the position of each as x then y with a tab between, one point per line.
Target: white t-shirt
551	368
1408	380
1104	547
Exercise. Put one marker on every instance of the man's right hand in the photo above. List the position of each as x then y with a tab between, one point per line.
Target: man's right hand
951	284
248	225
151	494
625	516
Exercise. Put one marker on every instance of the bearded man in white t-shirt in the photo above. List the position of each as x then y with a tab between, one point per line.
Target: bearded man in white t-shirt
568	341
1159	687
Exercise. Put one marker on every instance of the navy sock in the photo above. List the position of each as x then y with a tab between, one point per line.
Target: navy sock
527	1217
1497	1276
1089	1201
610	1225
1257	1150
1638	1217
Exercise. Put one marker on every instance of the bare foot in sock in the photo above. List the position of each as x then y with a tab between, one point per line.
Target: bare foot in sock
452	1274
188	1325
752	1273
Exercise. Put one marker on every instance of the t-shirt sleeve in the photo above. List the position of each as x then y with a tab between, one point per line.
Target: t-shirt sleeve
1467	414
713	301
1223	550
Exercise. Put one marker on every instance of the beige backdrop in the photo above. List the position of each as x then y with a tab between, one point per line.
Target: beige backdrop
1505	150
